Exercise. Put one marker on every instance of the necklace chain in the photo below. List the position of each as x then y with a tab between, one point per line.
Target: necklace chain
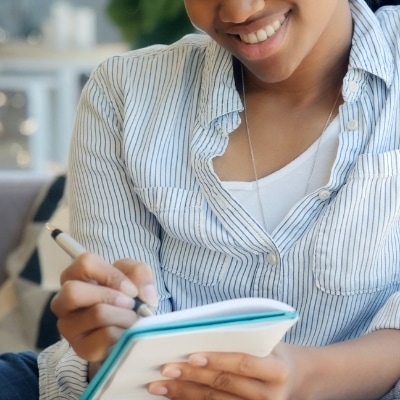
253	160
328	121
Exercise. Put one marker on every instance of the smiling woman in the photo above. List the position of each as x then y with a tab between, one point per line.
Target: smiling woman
258	159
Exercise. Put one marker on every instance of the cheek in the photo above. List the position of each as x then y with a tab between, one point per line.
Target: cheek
199	14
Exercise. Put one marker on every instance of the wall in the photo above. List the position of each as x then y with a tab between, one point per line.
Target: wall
20	17
36	116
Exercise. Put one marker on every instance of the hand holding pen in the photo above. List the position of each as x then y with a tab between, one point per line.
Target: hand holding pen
75	249
95	301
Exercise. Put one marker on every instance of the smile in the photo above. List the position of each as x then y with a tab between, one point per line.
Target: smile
263	34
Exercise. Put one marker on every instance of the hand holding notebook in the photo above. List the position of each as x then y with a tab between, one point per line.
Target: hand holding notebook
248	325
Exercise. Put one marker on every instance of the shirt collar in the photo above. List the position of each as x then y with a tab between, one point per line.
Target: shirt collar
218	94
370	51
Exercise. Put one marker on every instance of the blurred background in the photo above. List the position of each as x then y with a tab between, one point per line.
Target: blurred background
48	48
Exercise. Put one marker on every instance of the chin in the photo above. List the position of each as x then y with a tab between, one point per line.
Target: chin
272	73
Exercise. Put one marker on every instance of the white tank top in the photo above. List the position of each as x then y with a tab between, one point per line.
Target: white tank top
281	190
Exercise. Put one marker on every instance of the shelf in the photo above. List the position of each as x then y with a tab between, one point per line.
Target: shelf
52	82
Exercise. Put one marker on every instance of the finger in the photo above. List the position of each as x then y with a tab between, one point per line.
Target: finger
92	268
92	331
142	276
222	381
95	347
75	295
270	368
173	389
85	321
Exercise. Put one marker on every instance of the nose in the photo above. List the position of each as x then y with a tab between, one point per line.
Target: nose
238	11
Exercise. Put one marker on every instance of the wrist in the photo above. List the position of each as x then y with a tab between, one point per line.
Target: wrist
93	367
363	368
307	373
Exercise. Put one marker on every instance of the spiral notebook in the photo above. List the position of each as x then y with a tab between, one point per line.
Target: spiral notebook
248	325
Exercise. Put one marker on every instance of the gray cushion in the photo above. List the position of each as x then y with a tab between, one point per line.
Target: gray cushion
33	267
18	191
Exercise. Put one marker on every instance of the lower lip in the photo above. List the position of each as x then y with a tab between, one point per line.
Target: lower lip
263	49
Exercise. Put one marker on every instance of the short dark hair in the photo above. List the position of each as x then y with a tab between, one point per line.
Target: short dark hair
375	4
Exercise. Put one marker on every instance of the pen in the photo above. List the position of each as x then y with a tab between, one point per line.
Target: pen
74	249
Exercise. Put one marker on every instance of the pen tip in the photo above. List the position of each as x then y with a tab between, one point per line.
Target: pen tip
50	227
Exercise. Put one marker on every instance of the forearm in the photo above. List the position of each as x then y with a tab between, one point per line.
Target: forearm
363	368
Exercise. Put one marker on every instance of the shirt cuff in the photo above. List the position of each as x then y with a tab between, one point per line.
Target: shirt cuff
388	316
62	373
394	394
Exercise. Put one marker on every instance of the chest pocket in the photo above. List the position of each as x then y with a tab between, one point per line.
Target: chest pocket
357	244
187	248
180	212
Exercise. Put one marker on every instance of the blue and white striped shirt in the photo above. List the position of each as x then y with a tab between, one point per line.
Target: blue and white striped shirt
142	185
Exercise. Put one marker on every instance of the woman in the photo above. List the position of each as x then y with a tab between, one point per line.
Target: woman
260	159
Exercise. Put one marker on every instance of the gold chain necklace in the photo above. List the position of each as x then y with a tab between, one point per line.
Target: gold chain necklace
253	160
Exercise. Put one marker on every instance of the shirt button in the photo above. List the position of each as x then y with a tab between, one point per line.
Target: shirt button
271	258
353	86
324	195
352	125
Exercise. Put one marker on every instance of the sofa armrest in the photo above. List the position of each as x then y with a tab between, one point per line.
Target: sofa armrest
18	192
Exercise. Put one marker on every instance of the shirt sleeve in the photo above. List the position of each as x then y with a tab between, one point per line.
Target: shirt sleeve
62	374
394	394
388	317
105	214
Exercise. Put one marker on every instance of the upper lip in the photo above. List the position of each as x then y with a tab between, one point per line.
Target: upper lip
253	26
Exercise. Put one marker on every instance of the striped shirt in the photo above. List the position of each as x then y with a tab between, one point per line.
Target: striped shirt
142	185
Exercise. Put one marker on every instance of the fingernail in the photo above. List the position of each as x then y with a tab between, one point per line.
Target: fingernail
171	372
128	288
150	294
157	389
124	302
198	360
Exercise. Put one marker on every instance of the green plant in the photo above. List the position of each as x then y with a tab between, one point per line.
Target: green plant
144	22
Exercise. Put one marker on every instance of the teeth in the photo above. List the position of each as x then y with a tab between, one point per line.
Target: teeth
263	34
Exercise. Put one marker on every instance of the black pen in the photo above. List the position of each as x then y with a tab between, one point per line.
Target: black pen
74	249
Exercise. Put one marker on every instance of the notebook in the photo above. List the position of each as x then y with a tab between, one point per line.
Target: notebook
248	325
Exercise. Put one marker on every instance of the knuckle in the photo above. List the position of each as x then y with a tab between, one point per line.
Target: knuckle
108	296
114	335
176	394
123	263
99	313
87	260
114	278
84	263
282	374
69	294
68	287
245	364
222	380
